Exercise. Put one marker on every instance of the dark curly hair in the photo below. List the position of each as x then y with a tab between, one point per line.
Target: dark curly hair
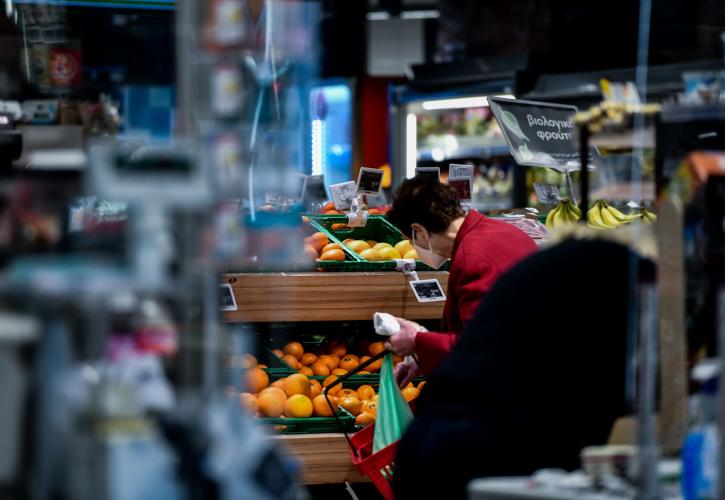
426	201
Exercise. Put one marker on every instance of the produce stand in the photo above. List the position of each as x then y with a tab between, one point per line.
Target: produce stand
331	297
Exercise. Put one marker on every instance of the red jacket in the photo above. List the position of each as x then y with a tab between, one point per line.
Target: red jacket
483	250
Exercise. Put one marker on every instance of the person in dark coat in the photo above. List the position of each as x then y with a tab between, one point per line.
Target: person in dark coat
537	374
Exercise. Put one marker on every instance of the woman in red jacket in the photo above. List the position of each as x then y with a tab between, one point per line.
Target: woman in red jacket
480	249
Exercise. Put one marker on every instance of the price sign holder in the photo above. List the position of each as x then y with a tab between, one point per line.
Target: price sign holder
548	194
370	181
428	290
433	172
343	193
463	187
228	302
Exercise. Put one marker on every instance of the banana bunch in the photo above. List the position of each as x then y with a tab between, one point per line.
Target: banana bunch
564	213
647	216
604	216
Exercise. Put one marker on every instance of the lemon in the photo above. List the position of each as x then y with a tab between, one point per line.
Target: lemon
388	253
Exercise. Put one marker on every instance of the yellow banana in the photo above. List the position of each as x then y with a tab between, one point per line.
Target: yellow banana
651	216
559	216
608	218
619	215
577	211
550	216
594	217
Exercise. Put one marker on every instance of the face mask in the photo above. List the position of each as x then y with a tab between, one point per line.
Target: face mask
428	257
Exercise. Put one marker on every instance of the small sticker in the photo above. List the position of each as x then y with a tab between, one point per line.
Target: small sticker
228	302
428	290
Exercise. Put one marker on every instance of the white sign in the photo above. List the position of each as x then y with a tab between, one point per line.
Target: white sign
456	170
343	194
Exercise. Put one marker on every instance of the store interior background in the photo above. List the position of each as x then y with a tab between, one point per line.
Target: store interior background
75	263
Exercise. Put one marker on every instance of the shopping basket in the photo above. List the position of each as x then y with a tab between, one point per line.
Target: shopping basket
379	465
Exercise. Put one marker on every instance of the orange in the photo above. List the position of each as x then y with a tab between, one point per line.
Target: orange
372	243
376	348
330	205
363	372
331	246
315	383
327	360
290	361
297	384
336	360
280	384
298	406
397	359
364	358
310	252
348	393
338	227
370	407
305	370
375	365
334	254
329	380
403	247
320	369
317	240
249	402
410	393
278	353
314	392
295	349
420	386
322	409
307	359
275	390
260	365
256	379
358	246
352	405
339	372
366	391
411	254
364	419
331	212
371	255
389	254
248	361
347	241
380	246
270	404
337	348
349	362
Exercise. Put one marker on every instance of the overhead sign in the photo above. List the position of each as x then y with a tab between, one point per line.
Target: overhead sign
540	134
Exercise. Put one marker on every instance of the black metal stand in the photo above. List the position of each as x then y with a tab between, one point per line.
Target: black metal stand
584	173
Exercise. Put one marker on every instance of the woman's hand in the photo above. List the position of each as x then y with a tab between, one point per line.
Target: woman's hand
403	342
405	372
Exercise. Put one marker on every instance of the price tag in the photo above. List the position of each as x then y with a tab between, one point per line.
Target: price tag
369	180
228	303
433	172
357	219
456	170
548	194
463	187
428	290
343	194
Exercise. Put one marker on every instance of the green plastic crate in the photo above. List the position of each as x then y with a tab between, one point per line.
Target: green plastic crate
377	228
313	425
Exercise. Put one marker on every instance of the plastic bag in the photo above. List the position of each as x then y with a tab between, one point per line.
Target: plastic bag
394	414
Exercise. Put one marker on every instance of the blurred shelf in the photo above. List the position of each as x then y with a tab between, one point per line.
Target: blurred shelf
625	191
278	297
467	152
324	458
625	140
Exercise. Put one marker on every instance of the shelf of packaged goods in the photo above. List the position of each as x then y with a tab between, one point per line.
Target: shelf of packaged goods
278	297
323	458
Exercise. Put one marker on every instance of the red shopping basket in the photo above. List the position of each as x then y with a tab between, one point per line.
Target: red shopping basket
379	466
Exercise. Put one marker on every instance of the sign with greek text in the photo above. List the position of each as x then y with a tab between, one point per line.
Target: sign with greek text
540	134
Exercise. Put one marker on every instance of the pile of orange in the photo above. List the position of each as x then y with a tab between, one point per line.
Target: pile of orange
333	359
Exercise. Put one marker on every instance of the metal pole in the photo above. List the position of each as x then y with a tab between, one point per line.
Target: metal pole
584	173
647	387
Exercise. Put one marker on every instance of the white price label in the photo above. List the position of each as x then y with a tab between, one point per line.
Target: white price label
343	194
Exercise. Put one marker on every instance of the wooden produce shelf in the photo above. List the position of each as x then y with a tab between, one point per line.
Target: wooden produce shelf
324	458
278	297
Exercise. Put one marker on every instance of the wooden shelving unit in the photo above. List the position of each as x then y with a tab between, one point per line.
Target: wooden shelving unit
334	297
278	297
